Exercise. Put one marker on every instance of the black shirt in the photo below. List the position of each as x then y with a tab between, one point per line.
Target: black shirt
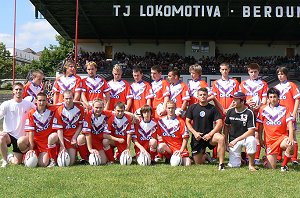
203	117
240	122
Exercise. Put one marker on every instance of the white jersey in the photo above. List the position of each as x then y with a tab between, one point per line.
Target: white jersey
15	115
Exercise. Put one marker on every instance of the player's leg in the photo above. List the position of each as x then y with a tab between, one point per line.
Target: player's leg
235	155
43	159
251	145
186	161
258	149
72	154
82	147
219	141
271	161
287	154
198	150
5	141
109	152
52	149
295	155
153	148
23	144
164	150
103	157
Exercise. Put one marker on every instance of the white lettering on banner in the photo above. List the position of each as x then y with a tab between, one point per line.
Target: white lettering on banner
268	11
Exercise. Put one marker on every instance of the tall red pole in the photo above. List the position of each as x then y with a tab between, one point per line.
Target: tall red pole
76	31
14	49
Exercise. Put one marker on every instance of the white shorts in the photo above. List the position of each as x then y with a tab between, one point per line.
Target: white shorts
235	152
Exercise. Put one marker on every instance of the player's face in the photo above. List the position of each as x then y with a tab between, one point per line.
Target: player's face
137	76
41	102
202	96
119	112
171	110
253	73
237	103
171	77
274	100
18	91
281	77
117	74
98	108
38	79
68	98
147	116
224	70
91	70
71	69
155	75
194	75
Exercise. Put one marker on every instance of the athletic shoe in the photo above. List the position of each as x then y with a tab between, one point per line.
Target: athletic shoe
257	162
284	168
209	158
110	163
52	163
83	162
295	163
167	161
9	156
265	161
221	167
157	159
4	164
153	162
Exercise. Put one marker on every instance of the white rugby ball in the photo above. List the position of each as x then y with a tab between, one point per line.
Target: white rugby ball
176	160
125	158
144	159
94	159
255	100
31	159
159	108
63	159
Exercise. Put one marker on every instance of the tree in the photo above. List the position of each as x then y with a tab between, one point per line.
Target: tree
5	62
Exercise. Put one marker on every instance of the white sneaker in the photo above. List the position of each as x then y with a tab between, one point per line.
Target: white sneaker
52	163
257	162
9	156
4	164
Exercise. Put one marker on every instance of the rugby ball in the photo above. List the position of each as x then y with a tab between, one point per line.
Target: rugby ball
159	108
138	112
94	159
176	160
144	159
31	159
30	99
63	159
255	101
125	158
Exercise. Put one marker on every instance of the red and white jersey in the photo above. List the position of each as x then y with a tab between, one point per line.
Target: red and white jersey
118	92
120	127
40	123
179	93
161	89
144	131
274	121
139	93
172	131
64	83
96	125
194	86
288	93
31	89
254	88
68	119
223	89
94	87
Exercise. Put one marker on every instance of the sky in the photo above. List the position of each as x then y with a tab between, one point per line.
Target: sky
30	32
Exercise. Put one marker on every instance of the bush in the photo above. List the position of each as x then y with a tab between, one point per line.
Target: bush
6	85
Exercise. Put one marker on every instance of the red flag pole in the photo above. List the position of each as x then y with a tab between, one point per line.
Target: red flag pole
76	32
14	48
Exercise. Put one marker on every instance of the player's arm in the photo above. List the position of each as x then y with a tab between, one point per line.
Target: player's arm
60	135
128	141
107	100
84	100
189	126
31	140
137	144
211	97
113	138
184	105
184	144
296	106
218	105
166	99
226	133
55	97
291	133
88	138
218	127
263	101
77	95
74	138
128	104
149	101
260	136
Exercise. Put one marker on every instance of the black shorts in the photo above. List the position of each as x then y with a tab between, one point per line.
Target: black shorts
14	142
200	146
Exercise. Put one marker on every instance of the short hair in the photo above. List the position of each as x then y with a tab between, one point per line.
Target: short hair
68	92
253	66
273	90
67	64
146	108
41	94
283	70
91	64
156	68
37	72
17	84
137	69
204	89
120	105
118	67
171	102
98	100
197	68
175	71
225	64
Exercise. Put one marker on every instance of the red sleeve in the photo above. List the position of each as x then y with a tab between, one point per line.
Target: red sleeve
87	123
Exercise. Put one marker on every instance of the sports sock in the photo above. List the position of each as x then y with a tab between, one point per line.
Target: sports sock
167	155
295	155
84	152
109	154
52	151
215	152
153	153
279	157
257	154
286	159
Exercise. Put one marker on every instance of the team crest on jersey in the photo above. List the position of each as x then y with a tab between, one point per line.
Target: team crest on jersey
253	87
66	84
116	89
120	127
175	91
94	84
274	117
43	122
70	122
146	130
99	124
225	87
283	89
169	128
137	90
202	114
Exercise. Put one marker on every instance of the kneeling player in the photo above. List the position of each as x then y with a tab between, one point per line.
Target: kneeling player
173	135
276	120
41	138
67	121
120	126
94	131
145	134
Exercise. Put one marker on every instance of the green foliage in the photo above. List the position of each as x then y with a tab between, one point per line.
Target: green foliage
5	62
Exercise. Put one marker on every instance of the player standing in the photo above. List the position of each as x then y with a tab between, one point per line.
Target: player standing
35	86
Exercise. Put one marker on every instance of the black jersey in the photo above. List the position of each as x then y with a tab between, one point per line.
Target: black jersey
240	122
203	117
